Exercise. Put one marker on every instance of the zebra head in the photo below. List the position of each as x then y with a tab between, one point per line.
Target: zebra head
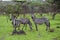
13	17
33	16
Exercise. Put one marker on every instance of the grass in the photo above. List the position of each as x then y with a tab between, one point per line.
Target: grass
6	29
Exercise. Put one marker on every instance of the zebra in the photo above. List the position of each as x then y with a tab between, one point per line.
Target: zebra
41	21
16	22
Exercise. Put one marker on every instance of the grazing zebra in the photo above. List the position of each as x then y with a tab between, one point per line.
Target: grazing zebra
16	22
41	21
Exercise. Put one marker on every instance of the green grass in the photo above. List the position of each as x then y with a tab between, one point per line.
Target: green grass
6	29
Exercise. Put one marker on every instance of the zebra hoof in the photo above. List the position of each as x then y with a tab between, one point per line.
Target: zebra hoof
21	32
14	32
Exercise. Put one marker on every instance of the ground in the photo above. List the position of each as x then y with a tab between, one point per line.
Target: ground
6	30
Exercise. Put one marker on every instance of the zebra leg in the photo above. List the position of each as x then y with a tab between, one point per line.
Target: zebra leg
53	16
14	31
18	26
30	25
47	26
23	26
14	27
36	27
